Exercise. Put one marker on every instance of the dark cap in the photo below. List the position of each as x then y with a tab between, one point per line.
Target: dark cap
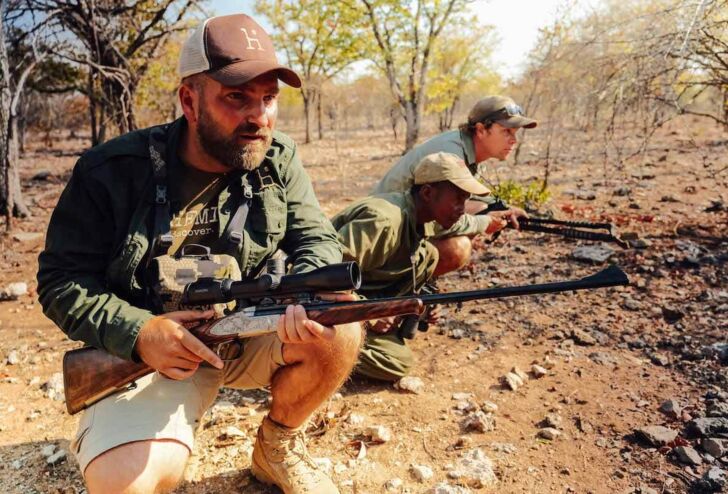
501	110
232	49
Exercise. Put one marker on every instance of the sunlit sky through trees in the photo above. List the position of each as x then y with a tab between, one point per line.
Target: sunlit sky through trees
516	21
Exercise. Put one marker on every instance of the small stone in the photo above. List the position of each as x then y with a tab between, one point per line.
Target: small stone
379	433
538	371
13	358
512	381
478	421
714	480
548	363
466	406
233	431
355	419
489	407
583	338
672	314
622	191
593	253
421	473
657	435
506	448
458	334
53	388
473	469
461	396
412	384
688	455
393	485
551	420
48	450
715	447
548	433
708	426
717	409
660	359
17	465
671	408
520	373
631	304
57	457
445	488
14	291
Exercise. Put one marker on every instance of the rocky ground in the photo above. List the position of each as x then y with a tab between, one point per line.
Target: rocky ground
614	390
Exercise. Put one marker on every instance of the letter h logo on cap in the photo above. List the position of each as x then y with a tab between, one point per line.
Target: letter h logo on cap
251	40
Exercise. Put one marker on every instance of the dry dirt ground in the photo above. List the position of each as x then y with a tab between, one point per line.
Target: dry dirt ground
618	353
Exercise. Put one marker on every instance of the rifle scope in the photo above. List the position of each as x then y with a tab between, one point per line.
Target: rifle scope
331	278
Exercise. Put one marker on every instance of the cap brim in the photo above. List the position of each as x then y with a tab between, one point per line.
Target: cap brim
517	122
470	185
241	72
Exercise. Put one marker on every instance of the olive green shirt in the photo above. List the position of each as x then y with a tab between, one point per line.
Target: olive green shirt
400	177
380	232
91	273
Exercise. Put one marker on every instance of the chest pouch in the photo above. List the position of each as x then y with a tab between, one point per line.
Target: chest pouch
170	273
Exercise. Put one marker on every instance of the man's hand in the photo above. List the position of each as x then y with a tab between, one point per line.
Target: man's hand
166	346
510	215
295	327
433	315
384	325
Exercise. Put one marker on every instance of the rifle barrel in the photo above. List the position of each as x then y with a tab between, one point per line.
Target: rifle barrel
611	276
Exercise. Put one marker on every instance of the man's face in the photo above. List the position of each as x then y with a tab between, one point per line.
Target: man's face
495	142
445	201
235	123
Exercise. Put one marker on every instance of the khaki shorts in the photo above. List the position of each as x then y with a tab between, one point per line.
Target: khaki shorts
161	408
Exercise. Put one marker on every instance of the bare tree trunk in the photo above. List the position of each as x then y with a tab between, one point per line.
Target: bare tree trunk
393	121
319	97
306	114
412	120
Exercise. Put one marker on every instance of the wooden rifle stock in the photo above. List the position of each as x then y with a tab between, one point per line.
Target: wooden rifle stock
90	374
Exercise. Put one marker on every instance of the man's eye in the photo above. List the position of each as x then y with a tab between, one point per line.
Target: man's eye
235	96
269	99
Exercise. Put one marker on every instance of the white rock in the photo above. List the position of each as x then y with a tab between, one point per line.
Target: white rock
479	421
548	363
355	419
13	358
57	457
340	467
53	388
474	469
421	472
512	381
232	431
549	433
14	290
461	396
17	465
520	373
48	450
489	407
445	488
538	371
379	433
411	383
347	483
393	485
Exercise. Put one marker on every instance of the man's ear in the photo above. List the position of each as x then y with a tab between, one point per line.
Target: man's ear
426	193
188	100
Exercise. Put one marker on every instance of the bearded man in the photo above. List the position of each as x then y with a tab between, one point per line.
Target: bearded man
221	180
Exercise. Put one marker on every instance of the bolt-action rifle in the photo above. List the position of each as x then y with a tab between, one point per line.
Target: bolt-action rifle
90	374
577	230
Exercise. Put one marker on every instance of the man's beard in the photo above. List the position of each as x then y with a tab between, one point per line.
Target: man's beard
227	150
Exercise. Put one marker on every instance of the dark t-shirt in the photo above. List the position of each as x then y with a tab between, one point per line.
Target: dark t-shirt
194	198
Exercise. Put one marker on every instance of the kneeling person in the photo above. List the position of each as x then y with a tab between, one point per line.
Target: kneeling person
387	234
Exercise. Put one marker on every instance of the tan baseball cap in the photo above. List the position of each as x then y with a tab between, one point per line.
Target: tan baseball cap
440	167
501	110
232	49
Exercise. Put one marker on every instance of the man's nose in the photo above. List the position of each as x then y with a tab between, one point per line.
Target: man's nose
258	114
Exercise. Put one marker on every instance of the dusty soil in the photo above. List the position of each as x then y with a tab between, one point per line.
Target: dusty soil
602	388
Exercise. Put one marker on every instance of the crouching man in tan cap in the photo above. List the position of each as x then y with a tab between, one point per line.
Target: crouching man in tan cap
150	194
387	235
489	133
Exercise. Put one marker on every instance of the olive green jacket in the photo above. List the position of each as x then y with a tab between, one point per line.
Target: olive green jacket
380	233
401	176
91	273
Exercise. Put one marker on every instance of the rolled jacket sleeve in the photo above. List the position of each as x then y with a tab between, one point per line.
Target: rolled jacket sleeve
71	275
468	224
310	238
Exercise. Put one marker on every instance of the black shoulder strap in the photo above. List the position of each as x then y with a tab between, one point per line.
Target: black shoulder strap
234	230
162	238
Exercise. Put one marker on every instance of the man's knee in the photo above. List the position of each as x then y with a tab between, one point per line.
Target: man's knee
454	253
386	358
138	467
339	352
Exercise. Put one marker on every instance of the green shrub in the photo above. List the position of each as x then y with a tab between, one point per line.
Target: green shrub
529	196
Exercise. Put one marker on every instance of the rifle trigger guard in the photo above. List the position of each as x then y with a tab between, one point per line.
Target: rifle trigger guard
229	351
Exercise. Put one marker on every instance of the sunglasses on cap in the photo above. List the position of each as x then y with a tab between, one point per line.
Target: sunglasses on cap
504	113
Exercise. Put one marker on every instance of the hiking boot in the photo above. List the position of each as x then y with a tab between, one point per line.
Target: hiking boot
280	458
